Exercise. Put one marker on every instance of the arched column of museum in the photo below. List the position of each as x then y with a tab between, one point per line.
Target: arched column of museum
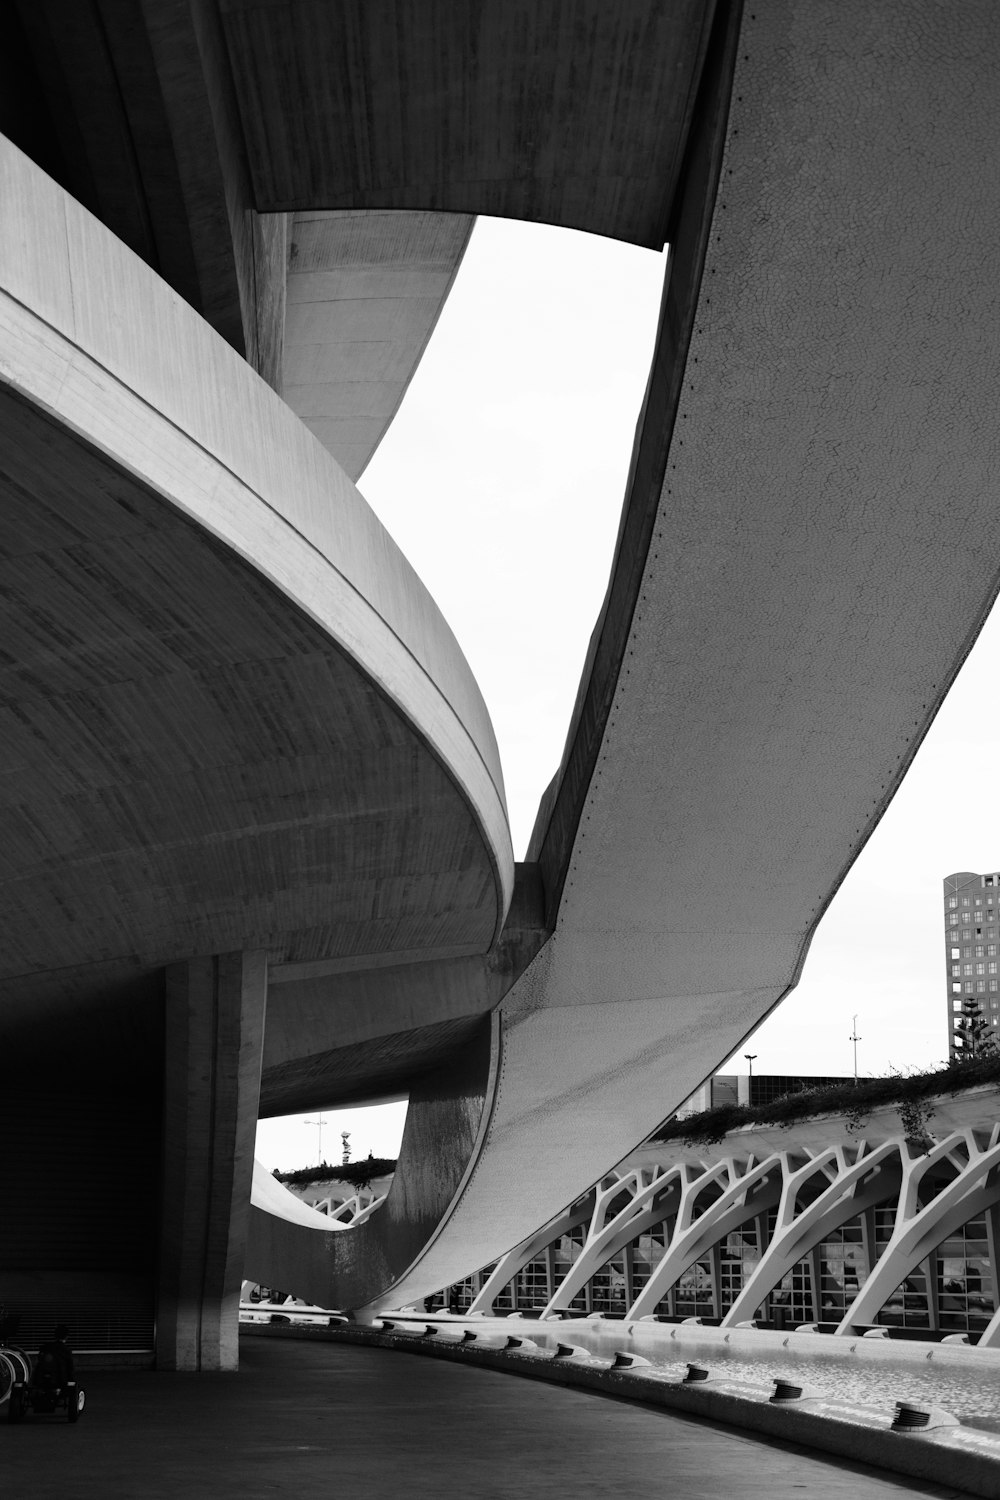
212	1056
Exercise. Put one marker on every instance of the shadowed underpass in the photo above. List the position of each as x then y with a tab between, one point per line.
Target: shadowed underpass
320	1420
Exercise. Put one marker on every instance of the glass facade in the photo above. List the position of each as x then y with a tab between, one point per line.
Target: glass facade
952	1291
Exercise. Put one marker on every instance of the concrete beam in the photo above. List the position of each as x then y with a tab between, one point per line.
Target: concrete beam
576	113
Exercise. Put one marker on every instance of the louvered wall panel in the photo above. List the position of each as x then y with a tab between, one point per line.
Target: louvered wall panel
79	1185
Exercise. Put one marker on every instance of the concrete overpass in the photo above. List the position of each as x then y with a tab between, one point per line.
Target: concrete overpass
292	766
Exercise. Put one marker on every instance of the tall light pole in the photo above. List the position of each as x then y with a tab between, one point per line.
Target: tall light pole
750	1059
319	1147
855	1039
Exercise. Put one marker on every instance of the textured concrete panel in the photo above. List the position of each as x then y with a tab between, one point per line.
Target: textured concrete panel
572	114
235	714
364	292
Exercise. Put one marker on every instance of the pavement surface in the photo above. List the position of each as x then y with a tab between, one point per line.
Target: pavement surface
333	1420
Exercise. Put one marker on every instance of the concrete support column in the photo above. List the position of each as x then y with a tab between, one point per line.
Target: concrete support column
214	1040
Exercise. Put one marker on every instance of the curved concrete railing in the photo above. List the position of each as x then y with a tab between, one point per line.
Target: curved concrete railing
93	337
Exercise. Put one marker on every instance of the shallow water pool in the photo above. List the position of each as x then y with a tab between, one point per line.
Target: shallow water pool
971	1394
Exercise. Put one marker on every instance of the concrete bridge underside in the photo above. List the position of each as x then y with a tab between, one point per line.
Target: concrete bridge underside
236	724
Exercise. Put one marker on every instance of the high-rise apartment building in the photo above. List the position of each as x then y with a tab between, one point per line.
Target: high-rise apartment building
972	939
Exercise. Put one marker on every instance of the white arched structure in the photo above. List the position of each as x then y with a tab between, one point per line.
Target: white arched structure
791	1191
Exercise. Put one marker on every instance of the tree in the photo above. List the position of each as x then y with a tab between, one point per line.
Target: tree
973	1035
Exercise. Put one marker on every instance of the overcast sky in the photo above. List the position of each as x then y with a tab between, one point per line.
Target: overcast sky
502	479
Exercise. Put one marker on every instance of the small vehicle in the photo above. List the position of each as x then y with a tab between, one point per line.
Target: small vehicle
50	1388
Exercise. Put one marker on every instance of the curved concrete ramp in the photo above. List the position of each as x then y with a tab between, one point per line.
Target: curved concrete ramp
235	714
817	465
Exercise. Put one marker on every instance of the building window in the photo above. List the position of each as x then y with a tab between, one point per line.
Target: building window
991	950
979	900
953	920
980	968
993	985
956	989
952	902
980	986
965	900
955	970
966	968
979	950
991	967
955	953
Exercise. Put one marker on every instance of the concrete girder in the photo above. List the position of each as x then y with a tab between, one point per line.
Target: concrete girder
577	114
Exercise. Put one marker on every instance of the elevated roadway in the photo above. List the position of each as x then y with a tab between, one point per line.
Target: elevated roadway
776	638
243	749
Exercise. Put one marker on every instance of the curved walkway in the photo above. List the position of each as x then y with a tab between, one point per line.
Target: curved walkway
312	1420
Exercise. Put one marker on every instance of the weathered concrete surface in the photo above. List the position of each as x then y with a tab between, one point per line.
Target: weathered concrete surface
241	721
214	1017
131	108
315	1420
364	292
790	640
572	114
337	1029
445	1127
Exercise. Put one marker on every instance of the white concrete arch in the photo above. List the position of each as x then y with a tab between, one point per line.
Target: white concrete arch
693	1238
797	1231
654	1202
917	1230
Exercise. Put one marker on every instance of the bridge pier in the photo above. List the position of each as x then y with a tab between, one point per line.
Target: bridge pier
212	1058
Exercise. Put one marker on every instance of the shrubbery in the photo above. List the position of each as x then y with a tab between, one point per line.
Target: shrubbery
357	1173
856	1100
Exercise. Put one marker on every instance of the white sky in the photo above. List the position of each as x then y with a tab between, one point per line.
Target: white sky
502	479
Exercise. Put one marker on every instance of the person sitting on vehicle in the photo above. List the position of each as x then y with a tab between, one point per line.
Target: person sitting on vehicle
55	1359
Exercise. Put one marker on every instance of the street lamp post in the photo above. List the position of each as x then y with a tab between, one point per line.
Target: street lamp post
319	1124
750	1060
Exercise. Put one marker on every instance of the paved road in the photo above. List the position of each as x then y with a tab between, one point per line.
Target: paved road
336	1422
